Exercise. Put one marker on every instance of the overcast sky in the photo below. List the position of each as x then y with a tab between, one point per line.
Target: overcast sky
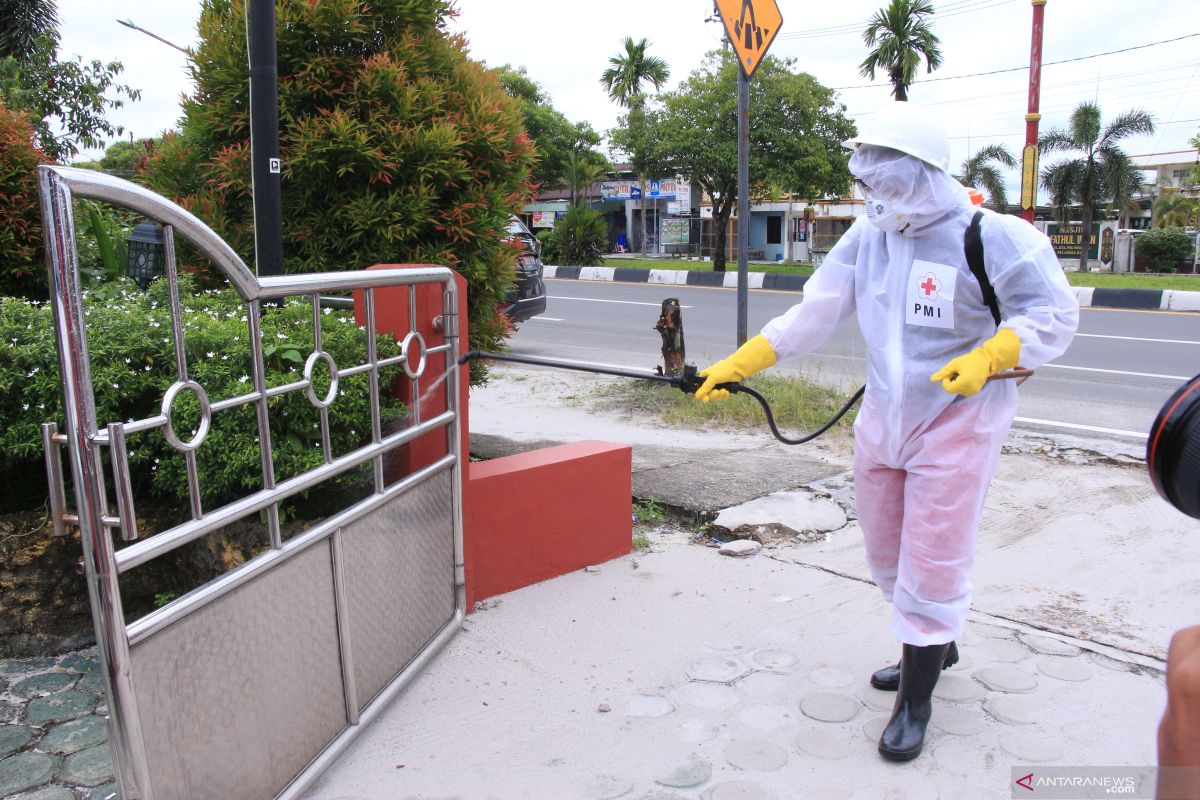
565	46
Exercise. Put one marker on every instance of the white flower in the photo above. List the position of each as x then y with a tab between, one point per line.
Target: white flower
25	406
116	386
210	355
127	361
281	336
243	379
224	358
147	368
327	311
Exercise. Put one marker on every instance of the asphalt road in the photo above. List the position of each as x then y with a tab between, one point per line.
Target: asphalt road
1118	372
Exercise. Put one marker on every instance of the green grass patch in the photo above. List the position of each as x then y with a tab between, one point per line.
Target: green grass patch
1132	280
778	267
798	405
641	542
649	511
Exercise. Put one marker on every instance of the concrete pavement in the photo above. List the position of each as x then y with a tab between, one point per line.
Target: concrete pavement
682	673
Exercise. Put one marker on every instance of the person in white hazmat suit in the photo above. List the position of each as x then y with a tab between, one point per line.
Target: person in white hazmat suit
930	430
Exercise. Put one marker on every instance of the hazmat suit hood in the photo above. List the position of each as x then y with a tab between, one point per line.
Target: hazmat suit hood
912	194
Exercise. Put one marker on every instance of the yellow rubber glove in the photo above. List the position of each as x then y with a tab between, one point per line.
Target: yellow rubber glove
967	374
756	354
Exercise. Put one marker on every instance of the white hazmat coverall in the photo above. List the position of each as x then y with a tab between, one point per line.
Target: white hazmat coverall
924	457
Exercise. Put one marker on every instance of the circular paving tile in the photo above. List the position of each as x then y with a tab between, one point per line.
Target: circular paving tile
756	754
1024	747
692	772
736	790
958	720
1006	651
766	718
698	731
831	678
877	700
607	787
958	757
716	670
874	728
1006	679
1064	669
1116	665
767	687
989	631
776	660
957	689
708	696
825	744
829	707
1015	710
647	706
1047	646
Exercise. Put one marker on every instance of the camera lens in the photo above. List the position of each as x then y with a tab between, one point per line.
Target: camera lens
1173	449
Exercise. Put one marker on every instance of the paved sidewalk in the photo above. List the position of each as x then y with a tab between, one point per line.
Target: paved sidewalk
682	673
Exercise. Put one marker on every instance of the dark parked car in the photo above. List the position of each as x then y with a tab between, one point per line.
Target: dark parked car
528	296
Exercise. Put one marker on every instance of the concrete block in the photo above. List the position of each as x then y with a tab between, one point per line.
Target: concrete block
596	273
670	277
537	515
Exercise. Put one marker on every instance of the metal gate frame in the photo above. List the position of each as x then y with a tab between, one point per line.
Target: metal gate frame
140	660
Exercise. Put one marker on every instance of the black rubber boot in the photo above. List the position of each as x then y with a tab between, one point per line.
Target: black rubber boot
920	668
888	678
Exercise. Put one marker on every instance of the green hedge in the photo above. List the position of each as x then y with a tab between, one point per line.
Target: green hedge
133	363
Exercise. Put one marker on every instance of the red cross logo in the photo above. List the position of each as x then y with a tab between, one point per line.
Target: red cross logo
929	287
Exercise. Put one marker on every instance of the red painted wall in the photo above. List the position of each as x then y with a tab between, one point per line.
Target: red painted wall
541	514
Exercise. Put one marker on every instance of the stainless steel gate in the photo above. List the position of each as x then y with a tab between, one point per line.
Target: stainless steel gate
250	685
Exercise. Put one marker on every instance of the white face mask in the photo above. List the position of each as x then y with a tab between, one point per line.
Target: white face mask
883	218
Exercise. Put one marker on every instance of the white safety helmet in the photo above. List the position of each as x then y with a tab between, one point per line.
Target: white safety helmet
909	128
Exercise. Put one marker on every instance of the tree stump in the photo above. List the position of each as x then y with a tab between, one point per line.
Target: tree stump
670	327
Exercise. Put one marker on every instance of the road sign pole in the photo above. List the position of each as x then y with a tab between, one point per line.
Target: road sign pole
750	26
743	179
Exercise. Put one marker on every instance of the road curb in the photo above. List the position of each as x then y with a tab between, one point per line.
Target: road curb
1088	296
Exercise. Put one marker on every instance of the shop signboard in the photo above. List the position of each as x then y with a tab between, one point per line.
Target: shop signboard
543	219
675	231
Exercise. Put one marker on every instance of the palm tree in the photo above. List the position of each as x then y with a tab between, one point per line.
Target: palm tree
623	80
22	22
901	37
1176	210
978	171
1103	174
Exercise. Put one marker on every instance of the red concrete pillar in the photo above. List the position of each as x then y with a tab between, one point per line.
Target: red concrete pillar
392	318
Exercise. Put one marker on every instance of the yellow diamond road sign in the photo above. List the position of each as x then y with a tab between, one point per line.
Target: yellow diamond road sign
751	25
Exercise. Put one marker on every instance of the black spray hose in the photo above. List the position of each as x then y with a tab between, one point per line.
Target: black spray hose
688	383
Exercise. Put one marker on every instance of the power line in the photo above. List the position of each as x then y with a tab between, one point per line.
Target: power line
949	10
1016	69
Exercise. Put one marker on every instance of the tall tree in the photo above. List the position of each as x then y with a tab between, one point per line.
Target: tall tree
396	146
65	100
979	171
627	74
901	37
21	23
1102	174
796	130
556	138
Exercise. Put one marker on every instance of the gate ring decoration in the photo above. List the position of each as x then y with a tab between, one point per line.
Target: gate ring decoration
313	358
168	403
406	364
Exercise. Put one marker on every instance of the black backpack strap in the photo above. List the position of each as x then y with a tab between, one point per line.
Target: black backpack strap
973	247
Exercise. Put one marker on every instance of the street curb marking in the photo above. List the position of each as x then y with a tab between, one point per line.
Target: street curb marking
1088	296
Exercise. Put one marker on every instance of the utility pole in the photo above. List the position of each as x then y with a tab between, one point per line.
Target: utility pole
264	137
1029	158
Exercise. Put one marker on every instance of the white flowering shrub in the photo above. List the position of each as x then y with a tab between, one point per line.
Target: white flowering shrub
133	362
